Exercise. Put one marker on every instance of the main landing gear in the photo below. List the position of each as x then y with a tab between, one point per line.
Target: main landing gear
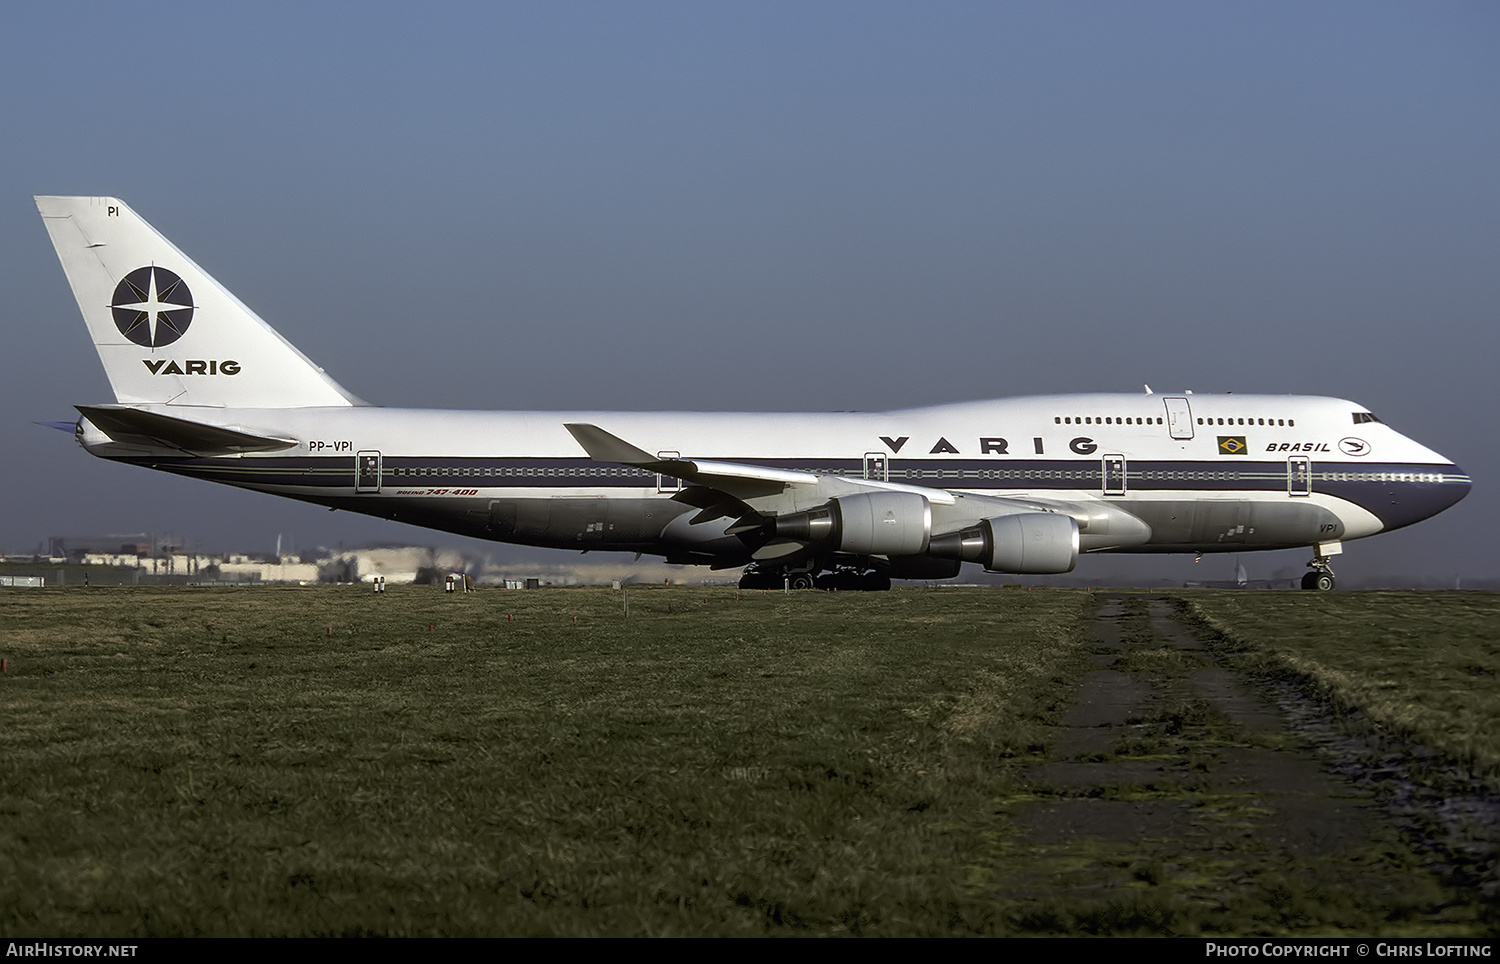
847	579
754	577
1320	579
854	580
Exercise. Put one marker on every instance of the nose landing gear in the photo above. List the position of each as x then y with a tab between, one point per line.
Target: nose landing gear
1320	579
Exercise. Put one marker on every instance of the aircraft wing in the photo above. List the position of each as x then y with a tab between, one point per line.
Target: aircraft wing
726	489
738	479
132	426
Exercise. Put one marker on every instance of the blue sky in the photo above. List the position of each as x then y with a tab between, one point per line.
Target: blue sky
799	206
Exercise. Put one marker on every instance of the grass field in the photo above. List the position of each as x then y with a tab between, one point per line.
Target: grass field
1424	665
326	761
215	762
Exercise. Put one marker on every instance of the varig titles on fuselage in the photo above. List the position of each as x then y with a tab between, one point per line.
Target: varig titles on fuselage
1085	445
988	445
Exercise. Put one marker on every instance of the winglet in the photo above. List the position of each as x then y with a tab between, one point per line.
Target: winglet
604	447
739	481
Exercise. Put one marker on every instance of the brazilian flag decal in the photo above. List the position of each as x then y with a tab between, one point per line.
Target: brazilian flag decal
1233	445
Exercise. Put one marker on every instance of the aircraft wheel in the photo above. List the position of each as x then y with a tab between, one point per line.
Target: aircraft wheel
758	580
843	580
1319	581
802	580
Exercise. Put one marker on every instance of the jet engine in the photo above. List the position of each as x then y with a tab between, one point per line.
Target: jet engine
870	523
1025	542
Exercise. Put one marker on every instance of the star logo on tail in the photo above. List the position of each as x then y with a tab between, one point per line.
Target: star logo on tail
152	307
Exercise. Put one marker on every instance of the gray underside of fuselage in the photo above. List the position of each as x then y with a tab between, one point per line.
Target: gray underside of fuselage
655	526
1230	526
660	526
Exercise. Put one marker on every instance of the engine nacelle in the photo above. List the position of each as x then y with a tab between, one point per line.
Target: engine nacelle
1033	543
870	524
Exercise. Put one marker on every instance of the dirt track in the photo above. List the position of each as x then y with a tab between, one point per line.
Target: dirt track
1185	794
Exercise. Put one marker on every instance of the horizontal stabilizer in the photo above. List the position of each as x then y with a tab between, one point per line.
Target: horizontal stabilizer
132	426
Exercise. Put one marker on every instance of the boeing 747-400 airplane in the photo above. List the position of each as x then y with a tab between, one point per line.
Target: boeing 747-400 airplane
205	388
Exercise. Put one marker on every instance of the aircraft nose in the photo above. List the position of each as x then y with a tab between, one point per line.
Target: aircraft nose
1460	485
1430	494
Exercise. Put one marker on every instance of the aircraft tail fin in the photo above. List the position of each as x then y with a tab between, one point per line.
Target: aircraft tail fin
165	330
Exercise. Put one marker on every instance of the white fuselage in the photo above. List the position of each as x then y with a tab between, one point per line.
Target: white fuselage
1244	472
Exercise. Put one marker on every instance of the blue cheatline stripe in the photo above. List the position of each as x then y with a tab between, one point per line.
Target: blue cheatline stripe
1141	475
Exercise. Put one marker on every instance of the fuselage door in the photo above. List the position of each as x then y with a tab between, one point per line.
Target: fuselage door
1179	416
1299	475
367	472
1114	475
877	467
668	483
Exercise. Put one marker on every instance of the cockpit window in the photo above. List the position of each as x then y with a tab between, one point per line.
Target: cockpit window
1361	418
